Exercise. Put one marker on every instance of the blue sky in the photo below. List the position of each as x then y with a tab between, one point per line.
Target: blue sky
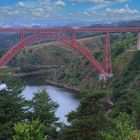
95	10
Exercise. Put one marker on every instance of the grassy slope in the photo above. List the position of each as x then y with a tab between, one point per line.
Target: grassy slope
127	70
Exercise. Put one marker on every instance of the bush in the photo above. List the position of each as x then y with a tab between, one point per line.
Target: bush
29	131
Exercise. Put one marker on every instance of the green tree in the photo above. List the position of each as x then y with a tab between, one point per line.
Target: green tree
29	131
129	102
15	84
12	109
88	119
43	108
123	129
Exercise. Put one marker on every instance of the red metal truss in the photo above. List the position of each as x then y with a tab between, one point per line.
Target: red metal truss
51	37
107	54
22	39
61	34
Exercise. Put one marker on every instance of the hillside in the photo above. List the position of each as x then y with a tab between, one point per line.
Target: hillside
76	72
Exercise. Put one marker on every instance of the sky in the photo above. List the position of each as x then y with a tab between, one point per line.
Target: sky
96	10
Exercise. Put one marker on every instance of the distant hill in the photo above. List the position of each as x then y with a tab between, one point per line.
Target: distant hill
66	23
121	24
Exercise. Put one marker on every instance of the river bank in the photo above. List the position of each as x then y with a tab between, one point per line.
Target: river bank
43	80
41	77
55	83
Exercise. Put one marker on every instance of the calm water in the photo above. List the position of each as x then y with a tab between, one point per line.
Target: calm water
67	100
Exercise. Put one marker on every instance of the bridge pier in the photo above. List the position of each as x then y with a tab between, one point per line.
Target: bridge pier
107	54
105	77
22	39
138	41
73	39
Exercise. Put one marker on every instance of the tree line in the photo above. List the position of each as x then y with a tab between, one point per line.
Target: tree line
101	115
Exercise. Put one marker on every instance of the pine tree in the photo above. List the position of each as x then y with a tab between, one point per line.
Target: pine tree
12	109
88	119
43	108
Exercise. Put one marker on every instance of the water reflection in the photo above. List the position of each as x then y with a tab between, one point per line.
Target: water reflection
3	86
67	100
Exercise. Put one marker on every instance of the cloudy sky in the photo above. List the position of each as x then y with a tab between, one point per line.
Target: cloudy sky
70	9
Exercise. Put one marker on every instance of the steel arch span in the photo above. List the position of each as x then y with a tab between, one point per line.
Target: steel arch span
42	34
104	70
50	36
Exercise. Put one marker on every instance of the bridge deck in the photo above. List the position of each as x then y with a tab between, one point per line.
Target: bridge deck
70	29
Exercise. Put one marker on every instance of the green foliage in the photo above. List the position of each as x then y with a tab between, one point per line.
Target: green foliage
117	51
88	119
25	59
78	75
44	109
118	47
5	70
12	109
129	102
29	131
123	129
13	83
127	77
56	53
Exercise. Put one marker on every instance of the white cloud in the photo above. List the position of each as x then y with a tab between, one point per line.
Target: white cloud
99	1
99	4
36	9
123	11
21	4
44	9
89	1
45	2
122	1
60	3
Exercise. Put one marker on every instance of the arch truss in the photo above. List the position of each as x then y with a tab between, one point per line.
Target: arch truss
67	37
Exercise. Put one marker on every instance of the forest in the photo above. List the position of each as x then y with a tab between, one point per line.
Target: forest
101	115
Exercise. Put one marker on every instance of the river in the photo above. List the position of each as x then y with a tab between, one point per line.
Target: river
66	100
